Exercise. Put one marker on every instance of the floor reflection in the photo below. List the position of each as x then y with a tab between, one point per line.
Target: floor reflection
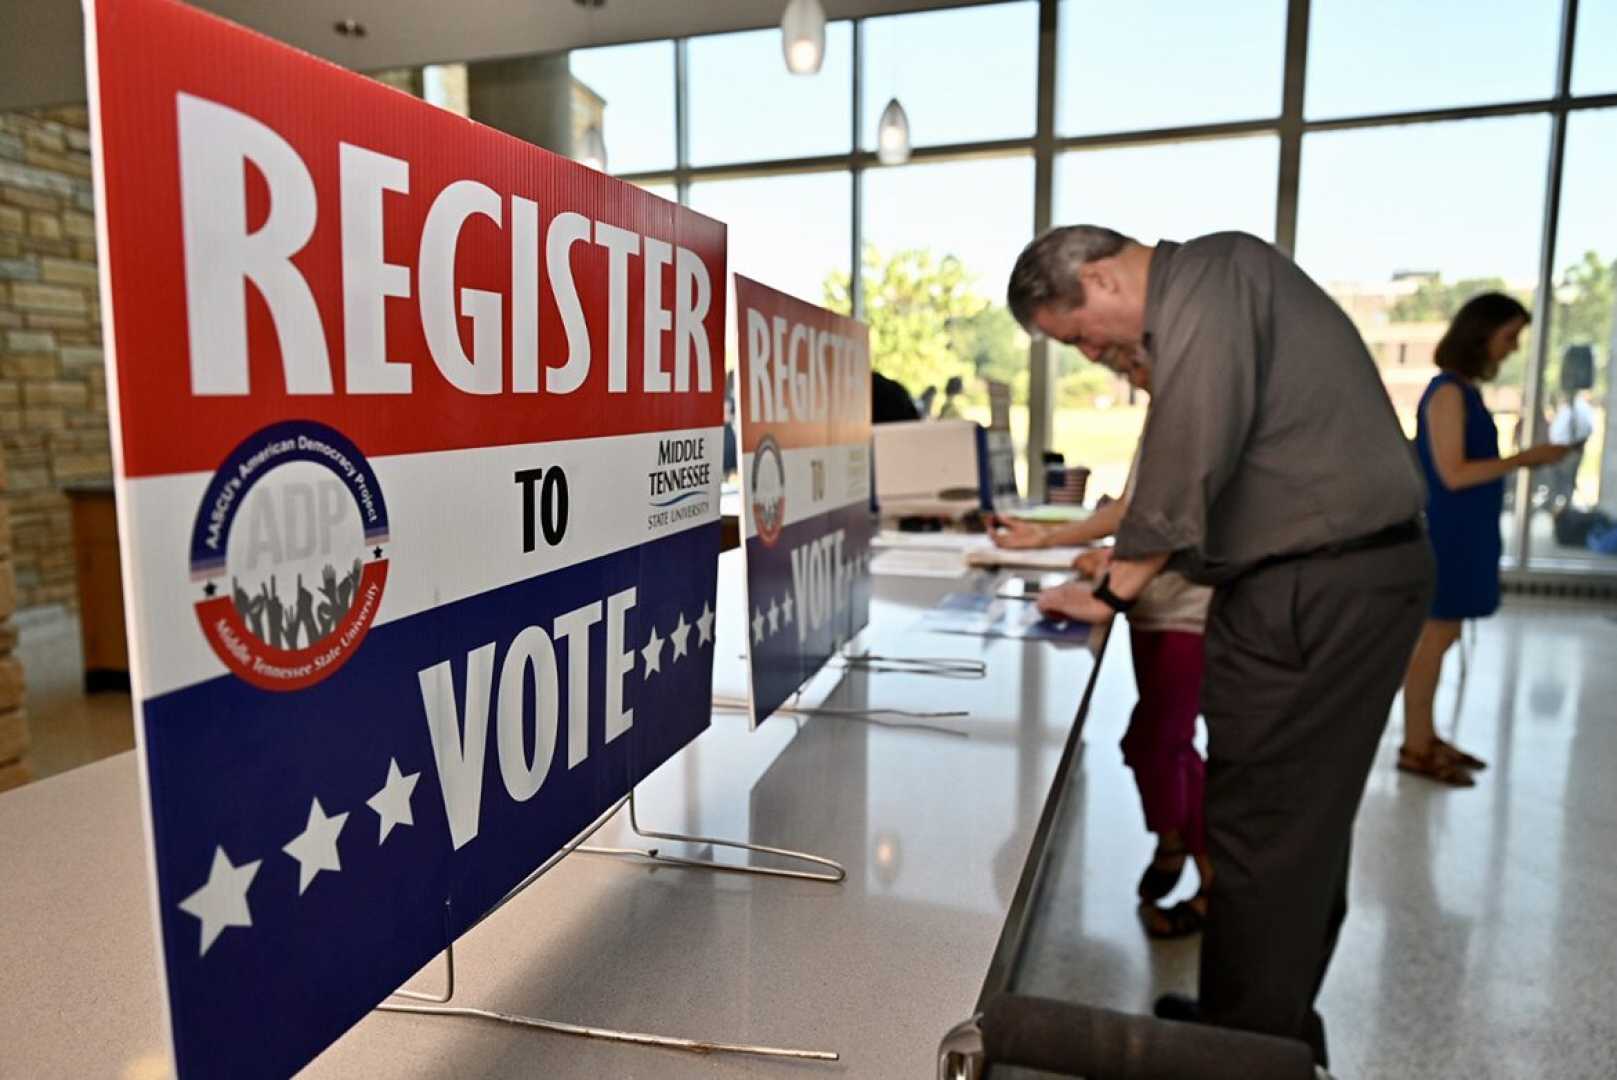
1482	935
67	727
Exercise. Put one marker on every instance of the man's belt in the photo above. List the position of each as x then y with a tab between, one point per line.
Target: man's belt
1402	533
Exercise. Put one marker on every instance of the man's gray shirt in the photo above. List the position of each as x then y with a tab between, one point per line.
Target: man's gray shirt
1269	432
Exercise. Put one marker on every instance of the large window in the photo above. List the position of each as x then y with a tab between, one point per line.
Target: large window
1164	63
968	75
745	106
663	191
788	232
1577	390
980	212
1384	56
1404	224
625	91
1595	69
940	240
1167	124
1171	191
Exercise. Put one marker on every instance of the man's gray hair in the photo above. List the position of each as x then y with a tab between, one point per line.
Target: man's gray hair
1047	270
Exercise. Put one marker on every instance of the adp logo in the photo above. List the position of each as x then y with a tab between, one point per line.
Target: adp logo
768	490
288	550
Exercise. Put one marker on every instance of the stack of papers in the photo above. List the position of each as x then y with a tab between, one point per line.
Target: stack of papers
919	562
1050	514
937	541
945	554
925	554
921	506
1054	558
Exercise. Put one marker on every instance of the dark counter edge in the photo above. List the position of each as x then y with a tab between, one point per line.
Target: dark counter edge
1013	937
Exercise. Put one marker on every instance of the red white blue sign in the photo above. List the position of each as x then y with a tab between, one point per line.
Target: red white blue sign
410	421
803	399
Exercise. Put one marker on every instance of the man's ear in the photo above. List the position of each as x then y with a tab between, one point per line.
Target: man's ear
1098	276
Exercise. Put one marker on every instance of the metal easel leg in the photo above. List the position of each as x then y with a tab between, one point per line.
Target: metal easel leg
637	1038
436	999
438	1004
837	873
438	1007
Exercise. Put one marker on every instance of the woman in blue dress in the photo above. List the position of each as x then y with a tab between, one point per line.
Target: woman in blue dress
1465	482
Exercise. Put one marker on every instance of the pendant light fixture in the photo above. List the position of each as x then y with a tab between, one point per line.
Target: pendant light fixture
802	36
893	135
593	151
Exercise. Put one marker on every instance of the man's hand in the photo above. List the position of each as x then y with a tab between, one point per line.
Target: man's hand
1009	532
1092	564
1073	601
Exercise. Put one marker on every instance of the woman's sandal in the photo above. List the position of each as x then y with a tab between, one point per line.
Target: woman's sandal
1435	765
1157	881
1181	920
1458	756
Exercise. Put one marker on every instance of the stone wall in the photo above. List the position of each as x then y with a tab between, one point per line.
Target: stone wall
53	402
13	721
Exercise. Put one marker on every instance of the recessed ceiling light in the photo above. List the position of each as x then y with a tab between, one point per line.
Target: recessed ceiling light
349	28
590	3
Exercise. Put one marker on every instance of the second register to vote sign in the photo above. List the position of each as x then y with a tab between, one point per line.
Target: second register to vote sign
803	396
417	441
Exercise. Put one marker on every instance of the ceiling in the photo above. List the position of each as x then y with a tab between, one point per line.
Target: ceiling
42	41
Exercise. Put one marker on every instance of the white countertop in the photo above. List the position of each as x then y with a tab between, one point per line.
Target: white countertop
933	829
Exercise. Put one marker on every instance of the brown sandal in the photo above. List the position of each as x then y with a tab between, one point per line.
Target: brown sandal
1159	880
1458	756
1182	920
1435	765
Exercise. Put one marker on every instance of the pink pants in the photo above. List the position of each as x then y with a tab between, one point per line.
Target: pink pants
1159	746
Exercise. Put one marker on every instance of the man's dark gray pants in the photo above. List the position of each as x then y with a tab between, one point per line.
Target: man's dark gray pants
1303	661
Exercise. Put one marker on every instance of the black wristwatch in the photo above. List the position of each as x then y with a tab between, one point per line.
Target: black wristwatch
1104	593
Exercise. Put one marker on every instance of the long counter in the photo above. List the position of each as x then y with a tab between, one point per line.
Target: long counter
935	829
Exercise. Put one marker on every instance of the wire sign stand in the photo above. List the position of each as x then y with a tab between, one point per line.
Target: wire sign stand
427	1004
831	872
834	874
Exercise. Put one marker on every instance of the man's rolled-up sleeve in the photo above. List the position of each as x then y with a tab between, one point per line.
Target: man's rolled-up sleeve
1204	373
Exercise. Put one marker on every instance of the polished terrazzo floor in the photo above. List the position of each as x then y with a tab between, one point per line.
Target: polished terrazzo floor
1482	936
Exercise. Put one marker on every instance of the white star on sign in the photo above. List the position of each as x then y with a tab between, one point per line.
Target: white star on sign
222	901
315	848
392	803
680	635
786	609
704	625
774	616
653	652
757	626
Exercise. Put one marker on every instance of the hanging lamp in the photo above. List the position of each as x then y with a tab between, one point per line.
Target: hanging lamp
802	36
893	135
